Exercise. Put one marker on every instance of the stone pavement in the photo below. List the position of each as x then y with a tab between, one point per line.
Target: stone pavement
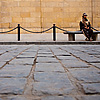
49	72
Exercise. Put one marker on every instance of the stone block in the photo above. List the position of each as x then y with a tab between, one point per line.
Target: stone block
15	71
35	14
93	88
86	74
16	19
14	97
53	83
24	4
58	98
46	60
5	25
92	97
12	86
96	64
37	9
35	3
49	67
74	63
25	14
34	24
27	61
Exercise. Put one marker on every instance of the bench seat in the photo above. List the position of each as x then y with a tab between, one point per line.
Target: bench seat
71	34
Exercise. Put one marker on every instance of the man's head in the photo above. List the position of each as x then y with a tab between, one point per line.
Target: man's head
84	15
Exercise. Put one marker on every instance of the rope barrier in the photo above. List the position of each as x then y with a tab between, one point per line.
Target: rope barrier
53	27
9	30
36	32
47	30
60	28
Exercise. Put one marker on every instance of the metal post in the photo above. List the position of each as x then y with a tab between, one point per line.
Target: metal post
54	32
18	32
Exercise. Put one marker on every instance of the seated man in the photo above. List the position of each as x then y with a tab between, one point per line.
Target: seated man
86	28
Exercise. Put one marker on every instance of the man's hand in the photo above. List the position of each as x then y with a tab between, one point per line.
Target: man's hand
86	27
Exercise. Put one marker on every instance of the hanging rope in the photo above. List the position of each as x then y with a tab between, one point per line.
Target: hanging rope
61	29
36	32
9	30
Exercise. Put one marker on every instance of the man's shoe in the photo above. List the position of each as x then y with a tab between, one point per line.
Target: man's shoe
91	39
86	39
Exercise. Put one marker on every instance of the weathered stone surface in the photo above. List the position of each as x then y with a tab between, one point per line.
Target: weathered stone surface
45	55
61	53
66	57
49	67
74	64
65	78
24	61
58	98
5	57
93	88
86	74
14	98
51	83
46	88
27	54
15	71
2	63
46	60
96	64
12	85
92	97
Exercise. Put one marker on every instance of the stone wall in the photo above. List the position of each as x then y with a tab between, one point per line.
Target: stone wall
41	14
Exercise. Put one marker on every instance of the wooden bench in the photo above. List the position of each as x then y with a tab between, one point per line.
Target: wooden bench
71	34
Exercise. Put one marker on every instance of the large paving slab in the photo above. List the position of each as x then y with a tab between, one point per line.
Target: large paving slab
50	72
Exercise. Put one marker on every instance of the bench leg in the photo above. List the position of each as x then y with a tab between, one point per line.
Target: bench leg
71	37
95	36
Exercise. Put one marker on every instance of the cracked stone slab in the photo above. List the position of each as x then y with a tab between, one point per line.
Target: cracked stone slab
19	97
96	64
45	55
90	59
98	56
49	67
92	88
27	54
5	57
44	52
60	53
46	59
66	58
44	88
92	97
13	98
12	71
26	61
12	85
2	63
51	83
74	64
58	98
86	74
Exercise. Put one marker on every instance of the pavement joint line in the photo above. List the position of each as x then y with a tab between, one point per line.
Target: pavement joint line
87	53
73	80
82	60
8	51
13	58
28	94
29	86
